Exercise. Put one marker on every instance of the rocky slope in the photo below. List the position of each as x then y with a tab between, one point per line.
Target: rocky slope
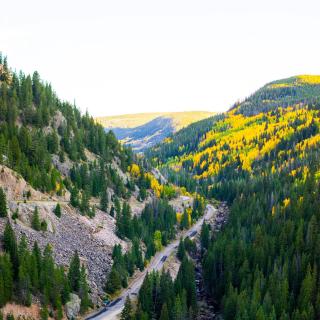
93	238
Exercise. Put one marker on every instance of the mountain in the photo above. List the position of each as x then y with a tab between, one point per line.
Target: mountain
143	130
68	195
262	157
61	176
80	214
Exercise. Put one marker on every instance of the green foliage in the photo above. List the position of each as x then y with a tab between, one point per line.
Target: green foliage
24	273
57	210
205	236
181	253
3	204
44	313
157	240
264	264
27	105
126	313
74	274
84	291
123	266
35	221
113	282
104	201
161	298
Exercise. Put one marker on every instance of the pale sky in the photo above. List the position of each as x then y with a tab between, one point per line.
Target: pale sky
129	56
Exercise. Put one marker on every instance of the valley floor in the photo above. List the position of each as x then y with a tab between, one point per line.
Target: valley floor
156	263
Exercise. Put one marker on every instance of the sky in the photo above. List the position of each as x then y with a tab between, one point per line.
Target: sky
129	56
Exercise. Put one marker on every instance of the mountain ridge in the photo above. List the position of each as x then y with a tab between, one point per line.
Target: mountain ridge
262	157
142	131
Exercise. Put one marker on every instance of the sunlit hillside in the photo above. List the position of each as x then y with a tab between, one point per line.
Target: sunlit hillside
262	157
143	130
180	119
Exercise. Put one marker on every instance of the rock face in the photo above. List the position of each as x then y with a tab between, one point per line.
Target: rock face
73	306
92	238
16	187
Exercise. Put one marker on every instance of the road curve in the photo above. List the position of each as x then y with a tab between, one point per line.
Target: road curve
156	263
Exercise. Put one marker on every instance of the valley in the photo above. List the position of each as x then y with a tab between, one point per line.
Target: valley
210	214
142	131
156	264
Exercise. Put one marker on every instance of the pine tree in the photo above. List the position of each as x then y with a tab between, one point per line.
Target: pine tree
104	201
126	314
24	284
164	312
44	314
181	250
6	280
178	309
83	291
204	236
57	210
35	221
112	210
11	247
113	282
185	220
3	204
74	272
59	312
74	198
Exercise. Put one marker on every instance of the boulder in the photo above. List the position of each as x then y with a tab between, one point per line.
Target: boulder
73	306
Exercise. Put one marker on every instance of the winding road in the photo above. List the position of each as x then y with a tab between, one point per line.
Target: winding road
116	306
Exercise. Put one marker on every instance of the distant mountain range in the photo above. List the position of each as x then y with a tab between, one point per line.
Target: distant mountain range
143	130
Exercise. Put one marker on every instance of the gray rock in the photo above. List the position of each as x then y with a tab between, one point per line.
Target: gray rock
73	306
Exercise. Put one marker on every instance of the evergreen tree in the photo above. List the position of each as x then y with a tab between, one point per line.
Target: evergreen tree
74	197
83	291
6	280
11	247
126	313
113	282
74	274
57	210
185	220
44	314
3	204
164	312
204	236
181	253
35	221
104	201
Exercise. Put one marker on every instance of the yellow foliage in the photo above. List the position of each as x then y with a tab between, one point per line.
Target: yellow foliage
310	79
134	170
189	212
248	139
167	140
155	185
286	202
179	217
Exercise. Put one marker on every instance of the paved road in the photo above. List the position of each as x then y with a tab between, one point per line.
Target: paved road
156	263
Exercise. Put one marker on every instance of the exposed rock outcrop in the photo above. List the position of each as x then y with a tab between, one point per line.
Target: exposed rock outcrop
73	306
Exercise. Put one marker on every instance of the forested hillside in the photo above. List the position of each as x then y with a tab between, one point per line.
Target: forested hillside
56	166
79	212
263	158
